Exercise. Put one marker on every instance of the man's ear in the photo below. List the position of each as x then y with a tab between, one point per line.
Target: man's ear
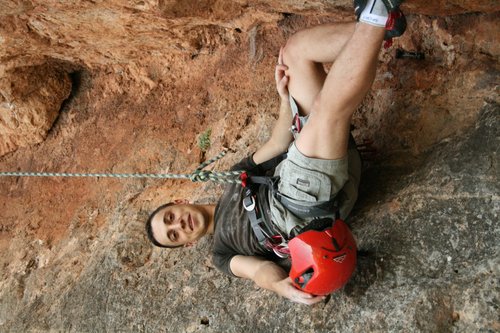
180	201
190	244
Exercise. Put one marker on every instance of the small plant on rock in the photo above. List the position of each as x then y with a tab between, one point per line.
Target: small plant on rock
204	140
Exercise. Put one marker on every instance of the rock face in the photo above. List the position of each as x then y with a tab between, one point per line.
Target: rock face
31	97
128	86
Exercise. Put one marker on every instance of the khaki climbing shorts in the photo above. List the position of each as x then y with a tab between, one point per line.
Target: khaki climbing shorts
305	180
311	180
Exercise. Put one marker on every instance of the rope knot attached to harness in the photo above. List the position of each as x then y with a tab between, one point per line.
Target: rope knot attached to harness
200	176
244	178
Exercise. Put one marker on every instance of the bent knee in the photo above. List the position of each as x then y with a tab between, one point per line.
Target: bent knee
293	49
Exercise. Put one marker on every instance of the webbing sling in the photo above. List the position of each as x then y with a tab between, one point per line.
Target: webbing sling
260	226
256	218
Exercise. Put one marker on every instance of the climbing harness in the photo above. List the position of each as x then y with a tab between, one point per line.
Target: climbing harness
198	175
253	181
266	235
322	254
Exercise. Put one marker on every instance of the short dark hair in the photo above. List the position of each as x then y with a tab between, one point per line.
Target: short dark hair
149	228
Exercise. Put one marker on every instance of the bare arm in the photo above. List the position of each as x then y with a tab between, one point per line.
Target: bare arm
281	136
266	274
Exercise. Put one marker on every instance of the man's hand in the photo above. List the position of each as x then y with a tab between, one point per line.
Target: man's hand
286	289
268	275
281	136
281	78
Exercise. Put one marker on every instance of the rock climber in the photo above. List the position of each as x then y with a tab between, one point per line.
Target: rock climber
321	162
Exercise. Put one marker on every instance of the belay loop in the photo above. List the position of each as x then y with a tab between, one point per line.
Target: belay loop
199	175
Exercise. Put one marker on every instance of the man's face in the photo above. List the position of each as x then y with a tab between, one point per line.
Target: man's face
179	224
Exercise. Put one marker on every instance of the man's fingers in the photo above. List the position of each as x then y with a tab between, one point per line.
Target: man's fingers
314	300
284	81
300	296
307	299
281	82
280	71
288	290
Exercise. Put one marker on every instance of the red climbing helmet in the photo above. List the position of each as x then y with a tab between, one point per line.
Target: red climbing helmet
323	261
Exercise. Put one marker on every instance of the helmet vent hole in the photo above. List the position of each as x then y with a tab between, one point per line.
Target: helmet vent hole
335	244
305	277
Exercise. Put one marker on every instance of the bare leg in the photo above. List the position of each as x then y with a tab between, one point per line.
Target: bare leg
304	54
326	134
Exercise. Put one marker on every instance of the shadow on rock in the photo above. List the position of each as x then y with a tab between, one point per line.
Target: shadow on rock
367	272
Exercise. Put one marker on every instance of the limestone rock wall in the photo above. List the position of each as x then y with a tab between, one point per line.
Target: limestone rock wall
31	99
128	86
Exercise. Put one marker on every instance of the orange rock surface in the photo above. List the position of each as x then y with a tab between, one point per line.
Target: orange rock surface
128	86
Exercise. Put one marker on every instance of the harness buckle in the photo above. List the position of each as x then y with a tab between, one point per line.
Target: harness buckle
249	203
282	253
296	126
279	246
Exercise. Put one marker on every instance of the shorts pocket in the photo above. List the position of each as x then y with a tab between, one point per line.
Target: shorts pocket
304	184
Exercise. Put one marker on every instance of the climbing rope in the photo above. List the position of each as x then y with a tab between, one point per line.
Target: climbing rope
198	175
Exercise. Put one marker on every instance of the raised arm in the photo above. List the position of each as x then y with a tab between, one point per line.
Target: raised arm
281	136
266	274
